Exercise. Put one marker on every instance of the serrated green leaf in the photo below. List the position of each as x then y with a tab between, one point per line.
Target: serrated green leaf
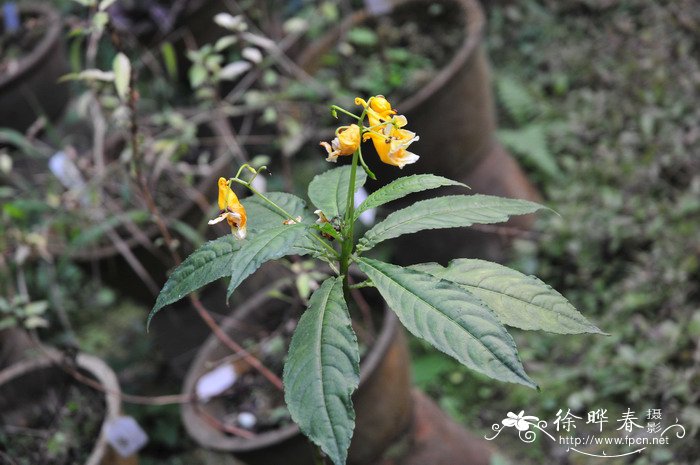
450	318
208	263
452	211
401	188
262	216
518	300
323	370
329	190
262	247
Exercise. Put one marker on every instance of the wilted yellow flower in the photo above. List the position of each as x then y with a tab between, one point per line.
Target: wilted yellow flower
390	140
231	210
347	140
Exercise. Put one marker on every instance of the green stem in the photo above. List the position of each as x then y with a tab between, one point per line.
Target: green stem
348	226
366	168
343	110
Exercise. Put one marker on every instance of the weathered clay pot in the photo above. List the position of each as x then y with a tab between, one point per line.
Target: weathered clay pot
454	114
497	174
435	439
29	381
33	89
382	403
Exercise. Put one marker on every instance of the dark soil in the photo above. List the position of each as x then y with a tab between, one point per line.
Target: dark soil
51	421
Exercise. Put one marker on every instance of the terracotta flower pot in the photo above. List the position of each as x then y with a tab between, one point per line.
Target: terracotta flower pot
435	439
32	90
27	383
453	114
382	403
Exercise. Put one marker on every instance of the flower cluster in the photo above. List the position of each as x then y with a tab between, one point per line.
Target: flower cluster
386	130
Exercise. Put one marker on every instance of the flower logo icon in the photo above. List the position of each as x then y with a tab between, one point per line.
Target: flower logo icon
520	421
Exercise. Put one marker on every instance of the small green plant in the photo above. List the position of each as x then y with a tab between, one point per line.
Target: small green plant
460	309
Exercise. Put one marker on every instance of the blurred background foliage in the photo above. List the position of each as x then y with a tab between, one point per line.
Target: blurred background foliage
599	99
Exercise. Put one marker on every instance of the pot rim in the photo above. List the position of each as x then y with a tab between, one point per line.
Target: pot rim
210	437
36	57
97	368
474	25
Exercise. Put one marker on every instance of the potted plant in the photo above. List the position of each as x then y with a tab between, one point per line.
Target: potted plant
47	416
32	59
460	309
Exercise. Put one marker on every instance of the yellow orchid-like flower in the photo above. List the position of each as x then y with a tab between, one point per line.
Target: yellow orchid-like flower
231	210
347	140
390	140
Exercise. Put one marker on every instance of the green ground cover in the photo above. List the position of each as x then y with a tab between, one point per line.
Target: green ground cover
612	88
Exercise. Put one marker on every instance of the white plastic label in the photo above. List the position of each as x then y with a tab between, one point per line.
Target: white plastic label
366	217
125	436
215	382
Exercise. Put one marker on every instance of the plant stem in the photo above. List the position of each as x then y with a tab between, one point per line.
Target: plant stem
348	225
343	110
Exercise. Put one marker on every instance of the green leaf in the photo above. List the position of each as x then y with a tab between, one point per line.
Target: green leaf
518	300
169	58
323	370
449	318
329	191
262	216
363	36
530	143
210	262
401	188
516	98
198	74
450	211
16	138
262	247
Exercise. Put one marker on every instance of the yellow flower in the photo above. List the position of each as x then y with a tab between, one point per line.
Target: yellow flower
231	210
347	140
390	140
